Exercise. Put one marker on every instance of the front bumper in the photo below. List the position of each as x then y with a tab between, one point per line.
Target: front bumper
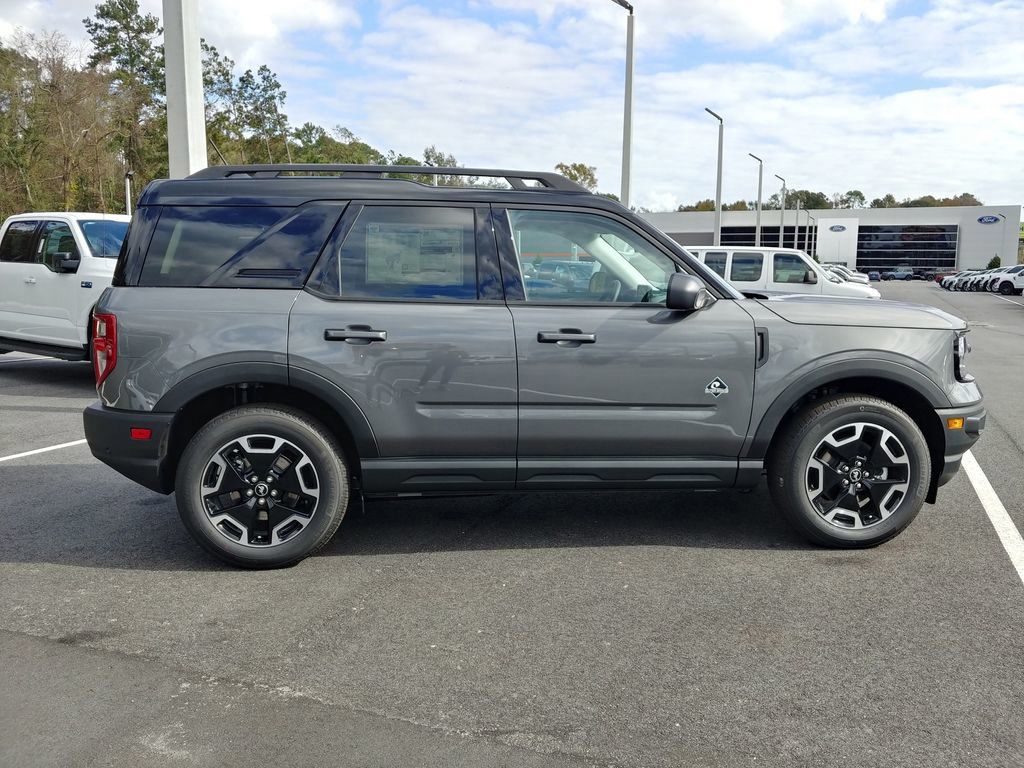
959	441
108	432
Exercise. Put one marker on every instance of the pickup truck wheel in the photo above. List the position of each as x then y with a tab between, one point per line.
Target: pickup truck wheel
850	471
262	486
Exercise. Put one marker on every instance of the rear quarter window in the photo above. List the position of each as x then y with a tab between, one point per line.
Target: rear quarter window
237	247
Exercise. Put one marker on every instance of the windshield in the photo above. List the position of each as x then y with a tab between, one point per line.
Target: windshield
104	236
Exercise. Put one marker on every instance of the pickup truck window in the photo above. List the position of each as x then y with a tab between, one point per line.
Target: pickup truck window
17	242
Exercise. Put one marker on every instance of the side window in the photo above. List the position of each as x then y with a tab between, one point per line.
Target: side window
17	243
715	261
586	257
196	246
55	238
788	268
746	267
407	252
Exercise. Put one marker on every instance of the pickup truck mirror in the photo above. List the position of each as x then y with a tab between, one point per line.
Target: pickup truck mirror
810	277
687	293
68	262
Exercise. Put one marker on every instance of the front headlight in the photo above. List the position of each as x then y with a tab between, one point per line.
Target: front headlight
961	348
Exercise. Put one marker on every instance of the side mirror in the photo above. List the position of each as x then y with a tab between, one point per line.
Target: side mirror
687	293
68	262
810	277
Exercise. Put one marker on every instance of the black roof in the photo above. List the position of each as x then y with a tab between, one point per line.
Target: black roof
293	184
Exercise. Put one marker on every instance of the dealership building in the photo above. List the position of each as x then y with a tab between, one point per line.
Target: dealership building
928	239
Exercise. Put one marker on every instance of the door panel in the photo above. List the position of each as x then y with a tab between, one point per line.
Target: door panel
640	388
51	301
613	387
396	321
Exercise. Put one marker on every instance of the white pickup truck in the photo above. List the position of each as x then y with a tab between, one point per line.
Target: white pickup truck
53	268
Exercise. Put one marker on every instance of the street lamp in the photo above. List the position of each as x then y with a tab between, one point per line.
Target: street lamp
796	229
757	226
718	183
1002	238
782	213
627	110
812	234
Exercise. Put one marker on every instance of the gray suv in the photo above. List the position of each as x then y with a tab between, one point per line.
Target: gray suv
281	339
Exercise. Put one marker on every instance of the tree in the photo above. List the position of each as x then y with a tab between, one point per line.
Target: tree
126	44
739	205
703	205
888	201
808	200
583	174
852	199
994	263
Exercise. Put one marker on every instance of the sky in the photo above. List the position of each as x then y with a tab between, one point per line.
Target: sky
886	96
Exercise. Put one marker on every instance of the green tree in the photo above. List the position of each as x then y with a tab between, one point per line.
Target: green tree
126	43
703	205
888	201
583	174
852	199
994	263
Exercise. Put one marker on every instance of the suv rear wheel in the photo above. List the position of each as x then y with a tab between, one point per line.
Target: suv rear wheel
850	471
262	486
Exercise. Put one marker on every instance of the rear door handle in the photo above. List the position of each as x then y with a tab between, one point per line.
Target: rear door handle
566	337
355	334
30	280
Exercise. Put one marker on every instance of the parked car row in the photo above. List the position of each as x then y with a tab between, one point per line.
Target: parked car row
1005	280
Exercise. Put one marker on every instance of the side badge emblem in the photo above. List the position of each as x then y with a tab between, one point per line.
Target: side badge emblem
86	284
716	387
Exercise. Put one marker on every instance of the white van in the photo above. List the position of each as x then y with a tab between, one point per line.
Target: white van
780	270
53	268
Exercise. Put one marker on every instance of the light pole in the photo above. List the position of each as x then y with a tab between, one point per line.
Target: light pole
782	213
627	110
812	234
796	228
760	175
1002	239
718	183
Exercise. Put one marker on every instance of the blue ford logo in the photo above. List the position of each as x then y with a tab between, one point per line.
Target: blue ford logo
837	228
988	219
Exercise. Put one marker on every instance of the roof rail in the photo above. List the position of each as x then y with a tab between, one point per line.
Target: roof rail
515	179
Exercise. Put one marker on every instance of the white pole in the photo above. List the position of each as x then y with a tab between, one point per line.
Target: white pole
186	121
782	212
718	182
757	226
627	113
128	193
796	229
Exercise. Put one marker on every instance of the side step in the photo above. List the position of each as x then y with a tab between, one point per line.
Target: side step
47	350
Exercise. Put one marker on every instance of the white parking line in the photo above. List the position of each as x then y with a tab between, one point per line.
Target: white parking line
1010	300
1001	521
41	450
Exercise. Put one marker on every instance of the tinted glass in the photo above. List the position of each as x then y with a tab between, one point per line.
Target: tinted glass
56	238
746	267
584	257
17	242
104	237
715	261
408	252
192	242
788	268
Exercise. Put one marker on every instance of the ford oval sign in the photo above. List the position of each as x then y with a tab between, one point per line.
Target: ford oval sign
837	228
988	219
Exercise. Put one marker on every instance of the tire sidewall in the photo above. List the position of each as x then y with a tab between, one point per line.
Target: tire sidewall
329	467
920	472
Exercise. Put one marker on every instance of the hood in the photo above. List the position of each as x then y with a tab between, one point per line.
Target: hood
838	310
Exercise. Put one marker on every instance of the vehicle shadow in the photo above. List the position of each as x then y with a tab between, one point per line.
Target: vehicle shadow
67	379
99	521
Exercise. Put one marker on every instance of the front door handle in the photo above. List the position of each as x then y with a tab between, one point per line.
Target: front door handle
30	280
566	337
355	334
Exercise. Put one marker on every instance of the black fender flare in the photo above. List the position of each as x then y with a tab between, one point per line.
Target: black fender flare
228	374
874	368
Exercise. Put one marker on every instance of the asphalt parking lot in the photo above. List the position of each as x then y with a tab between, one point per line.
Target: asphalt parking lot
654	629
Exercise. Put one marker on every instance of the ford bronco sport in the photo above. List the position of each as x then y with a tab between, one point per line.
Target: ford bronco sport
279	340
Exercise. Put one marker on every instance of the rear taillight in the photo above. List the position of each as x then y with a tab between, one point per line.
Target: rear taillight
104	345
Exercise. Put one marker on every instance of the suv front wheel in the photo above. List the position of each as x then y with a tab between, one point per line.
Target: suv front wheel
262	486
850	471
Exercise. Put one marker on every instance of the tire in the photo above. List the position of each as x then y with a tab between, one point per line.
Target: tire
276	446
900	487
1006	288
